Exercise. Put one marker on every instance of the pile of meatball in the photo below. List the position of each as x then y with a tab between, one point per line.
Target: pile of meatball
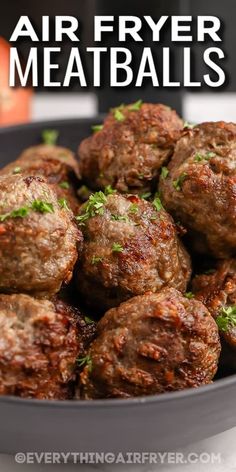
117	269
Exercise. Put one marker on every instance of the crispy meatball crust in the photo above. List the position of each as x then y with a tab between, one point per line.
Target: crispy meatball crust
217	290
128	154
153	343
57	165
129	249
200	189
38	251
40	341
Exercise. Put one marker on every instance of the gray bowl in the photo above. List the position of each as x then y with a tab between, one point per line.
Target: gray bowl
156	423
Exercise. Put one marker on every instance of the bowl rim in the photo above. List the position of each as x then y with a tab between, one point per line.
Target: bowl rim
217	385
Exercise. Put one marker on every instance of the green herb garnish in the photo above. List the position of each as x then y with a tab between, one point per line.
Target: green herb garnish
164	172
119	218
157	203
136	106
88	320
94	206
42	207
109	190
201	157
116	247
85	361
17	170
146	195
226	318
188	125
133	208
177	184
96	128
189	295
95	260
63	203
50	136
64	185
19	213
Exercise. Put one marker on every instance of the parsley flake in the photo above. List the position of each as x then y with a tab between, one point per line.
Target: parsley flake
85	361
17	170
93	207
226	318
136	106
164	172
177	184
109	190
42	207
189	295
157	203
64	185
50	136
95	260
116	247
96	128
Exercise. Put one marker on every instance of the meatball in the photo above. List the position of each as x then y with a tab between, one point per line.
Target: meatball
56	164
217	291
39	241
40	341
128	152
199	189
153	343
130	246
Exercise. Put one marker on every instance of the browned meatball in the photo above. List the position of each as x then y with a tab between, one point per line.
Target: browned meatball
39	242
40	342
151	344
217	291
130	246
200	187
56	164
131	148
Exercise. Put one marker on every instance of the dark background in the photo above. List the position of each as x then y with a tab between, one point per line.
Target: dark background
86	9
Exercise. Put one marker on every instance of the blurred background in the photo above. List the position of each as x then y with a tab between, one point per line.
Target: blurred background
20	105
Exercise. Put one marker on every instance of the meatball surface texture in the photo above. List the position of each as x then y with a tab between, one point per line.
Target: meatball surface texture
57	165
153	343
199	189
39	241
130	247
39	343
130	149
217	291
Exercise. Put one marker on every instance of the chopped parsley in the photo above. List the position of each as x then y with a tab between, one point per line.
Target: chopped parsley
88	320
177	184
96	128
85	361
19	213
42	207
63	203
116	247
109	190
117	113
94	206
201	157
146	195
17	170
95	260
189	295
136	106
164	172
50	136
157	203
133	208
226	318
64	185
119	218
37	205
188	125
